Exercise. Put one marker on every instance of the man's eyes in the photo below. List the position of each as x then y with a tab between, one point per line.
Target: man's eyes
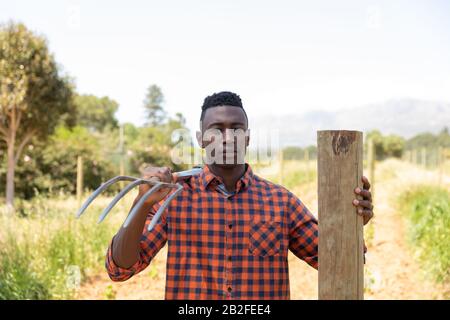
233	129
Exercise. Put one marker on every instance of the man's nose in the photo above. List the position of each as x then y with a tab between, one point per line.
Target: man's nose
228	136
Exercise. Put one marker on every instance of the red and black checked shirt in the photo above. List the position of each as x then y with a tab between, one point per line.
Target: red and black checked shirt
227	246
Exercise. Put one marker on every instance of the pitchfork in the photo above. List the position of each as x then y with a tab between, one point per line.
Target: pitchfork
156	185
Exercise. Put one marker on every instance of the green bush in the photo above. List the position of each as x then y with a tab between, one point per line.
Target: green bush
427	209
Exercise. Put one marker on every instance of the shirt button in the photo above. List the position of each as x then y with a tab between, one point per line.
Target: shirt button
229	289
230	226
229	258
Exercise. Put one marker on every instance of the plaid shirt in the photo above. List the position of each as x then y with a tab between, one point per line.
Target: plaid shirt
227	246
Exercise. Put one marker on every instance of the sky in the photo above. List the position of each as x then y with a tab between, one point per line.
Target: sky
281	57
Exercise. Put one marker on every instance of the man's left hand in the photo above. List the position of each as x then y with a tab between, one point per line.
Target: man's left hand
365	207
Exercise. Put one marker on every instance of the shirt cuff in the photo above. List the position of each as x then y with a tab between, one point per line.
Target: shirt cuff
118	272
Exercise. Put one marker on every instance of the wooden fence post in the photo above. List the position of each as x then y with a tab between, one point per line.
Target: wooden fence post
281	164
423	161
306	158
407	156
79	179
341	244
371	164
122	154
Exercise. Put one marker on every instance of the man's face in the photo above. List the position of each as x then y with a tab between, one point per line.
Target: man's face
224	136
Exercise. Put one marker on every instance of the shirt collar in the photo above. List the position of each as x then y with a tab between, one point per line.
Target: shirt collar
206	177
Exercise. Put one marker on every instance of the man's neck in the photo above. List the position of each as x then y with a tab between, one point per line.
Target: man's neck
229	175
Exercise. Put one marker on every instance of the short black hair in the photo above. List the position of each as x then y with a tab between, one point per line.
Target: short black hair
224	98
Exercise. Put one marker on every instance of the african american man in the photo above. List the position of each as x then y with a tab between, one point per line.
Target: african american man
229	230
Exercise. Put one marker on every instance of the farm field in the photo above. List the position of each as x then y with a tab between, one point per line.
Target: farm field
60	257
85	99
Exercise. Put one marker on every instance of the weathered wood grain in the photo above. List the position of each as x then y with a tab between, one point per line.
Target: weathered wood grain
340	155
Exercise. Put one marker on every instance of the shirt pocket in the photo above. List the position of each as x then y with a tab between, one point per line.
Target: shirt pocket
265	238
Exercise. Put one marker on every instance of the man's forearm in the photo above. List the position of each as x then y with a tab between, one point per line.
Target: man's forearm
125	247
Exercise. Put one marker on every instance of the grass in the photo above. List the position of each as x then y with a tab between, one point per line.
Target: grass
293	173
427	209
45	253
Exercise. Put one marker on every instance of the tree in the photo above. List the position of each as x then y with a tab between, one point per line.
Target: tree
33	95
96	113
385	146
422	140
60	154
50	166
152	145
297	153
393	146
377	138
155	113
443	138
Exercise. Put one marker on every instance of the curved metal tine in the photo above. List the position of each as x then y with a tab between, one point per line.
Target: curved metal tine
100	189
162	208
125	191
116	199
141	202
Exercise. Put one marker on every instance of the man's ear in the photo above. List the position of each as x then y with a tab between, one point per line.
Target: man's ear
199	137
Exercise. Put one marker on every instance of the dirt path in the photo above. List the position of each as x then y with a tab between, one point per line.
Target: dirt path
391	272
391	269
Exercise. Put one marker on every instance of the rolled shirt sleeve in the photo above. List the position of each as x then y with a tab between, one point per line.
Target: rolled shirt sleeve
150	244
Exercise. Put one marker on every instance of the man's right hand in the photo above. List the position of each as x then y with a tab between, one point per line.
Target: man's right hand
162	174
126	243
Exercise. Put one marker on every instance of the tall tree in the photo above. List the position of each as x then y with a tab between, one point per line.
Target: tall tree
34	97
155	113
96	113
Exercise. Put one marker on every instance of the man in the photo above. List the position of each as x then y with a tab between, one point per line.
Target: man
229	230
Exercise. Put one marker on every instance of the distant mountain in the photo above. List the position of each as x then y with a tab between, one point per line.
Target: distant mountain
405	117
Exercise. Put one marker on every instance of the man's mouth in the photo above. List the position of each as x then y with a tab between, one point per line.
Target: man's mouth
231	152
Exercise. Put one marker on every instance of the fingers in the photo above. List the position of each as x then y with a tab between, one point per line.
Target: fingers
166	174
366	204
365	209
367	215
366	194
366	183
156	174
163	174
